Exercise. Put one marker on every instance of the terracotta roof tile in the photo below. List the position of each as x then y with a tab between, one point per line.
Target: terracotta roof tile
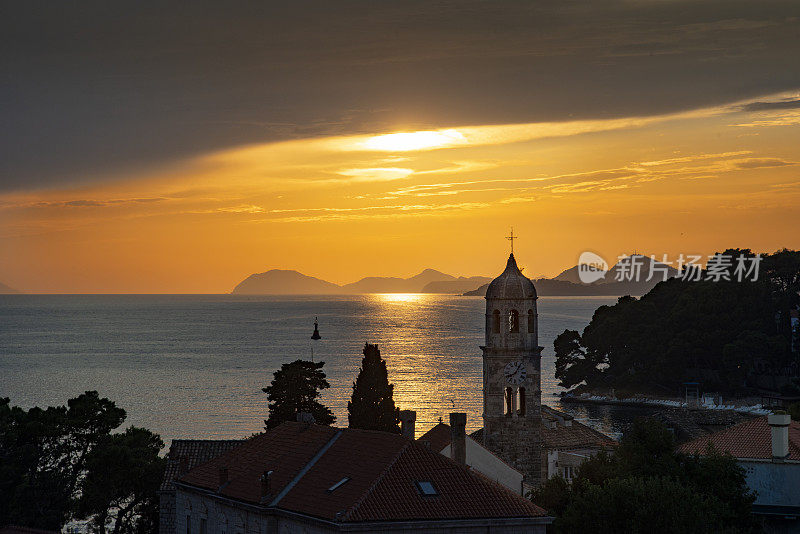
284	450
575	436
461	493
438	437
751	439
196	452
382	469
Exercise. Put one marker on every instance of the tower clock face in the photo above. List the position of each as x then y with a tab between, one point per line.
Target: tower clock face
515	372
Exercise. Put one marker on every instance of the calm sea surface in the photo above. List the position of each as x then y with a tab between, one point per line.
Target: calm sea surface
193	366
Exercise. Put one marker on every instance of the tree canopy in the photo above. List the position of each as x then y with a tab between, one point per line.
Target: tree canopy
719	332
371	406
294	389
647	486
63	462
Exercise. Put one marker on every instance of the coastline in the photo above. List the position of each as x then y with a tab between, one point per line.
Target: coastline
647	402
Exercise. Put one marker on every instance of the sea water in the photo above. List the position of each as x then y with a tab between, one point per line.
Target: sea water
192	366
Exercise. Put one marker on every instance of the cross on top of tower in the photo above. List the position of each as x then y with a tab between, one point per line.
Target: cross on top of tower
511	238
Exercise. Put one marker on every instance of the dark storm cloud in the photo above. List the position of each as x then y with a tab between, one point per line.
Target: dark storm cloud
90	89
769	106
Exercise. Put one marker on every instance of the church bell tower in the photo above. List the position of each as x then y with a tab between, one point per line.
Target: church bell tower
512	373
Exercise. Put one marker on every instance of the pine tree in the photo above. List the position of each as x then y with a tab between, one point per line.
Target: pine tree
372	405
295	389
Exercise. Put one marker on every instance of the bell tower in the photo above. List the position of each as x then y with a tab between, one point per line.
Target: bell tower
511	373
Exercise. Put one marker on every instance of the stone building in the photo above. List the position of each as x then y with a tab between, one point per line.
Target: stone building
183	455
534	439
306	478
512	372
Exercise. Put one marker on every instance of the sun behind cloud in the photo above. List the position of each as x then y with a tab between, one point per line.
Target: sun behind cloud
405	141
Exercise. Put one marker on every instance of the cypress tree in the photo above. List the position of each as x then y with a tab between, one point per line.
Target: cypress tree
372	405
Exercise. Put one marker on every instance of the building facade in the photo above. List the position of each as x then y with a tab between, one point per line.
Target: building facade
307	478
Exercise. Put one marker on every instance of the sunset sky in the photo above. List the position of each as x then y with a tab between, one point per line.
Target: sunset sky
176	150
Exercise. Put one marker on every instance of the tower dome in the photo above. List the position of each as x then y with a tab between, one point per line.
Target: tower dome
511	284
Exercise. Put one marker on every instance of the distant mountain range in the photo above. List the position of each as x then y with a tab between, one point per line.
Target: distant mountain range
280	282
5	290
287	282
616	281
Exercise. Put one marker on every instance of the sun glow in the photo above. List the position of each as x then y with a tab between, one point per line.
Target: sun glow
405	141
401	297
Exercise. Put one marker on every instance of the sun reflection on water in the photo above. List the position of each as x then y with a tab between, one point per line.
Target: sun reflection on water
401	297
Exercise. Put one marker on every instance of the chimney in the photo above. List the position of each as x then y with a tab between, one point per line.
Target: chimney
458	437
266	488
223	476
407	420
305	417
183	465
779	423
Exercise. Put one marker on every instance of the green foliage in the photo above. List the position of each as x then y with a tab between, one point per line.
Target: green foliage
641	505
49	458
371	406
123	476
647	486
794	411
681	331
554	495
295	389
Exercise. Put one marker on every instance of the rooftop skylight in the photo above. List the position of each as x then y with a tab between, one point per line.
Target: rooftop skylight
426	487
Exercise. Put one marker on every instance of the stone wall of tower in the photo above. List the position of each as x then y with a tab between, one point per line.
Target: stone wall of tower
514	436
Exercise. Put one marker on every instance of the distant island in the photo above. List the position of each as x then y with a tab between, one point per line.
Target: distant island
5	290
567	283
287	282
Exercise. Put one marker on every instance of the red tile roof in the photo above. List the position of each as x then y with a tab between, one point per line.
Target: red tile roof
751	439
307	460
437	438
462	493
574	436
196	452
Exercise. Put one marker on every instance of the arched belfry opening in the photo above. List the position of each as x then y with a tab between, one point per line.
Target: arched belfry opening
511	372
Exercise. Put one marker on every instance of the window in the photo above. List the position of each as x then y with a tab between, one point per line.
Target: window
426	487
531	322
569	472
496	321
338	484
513	321
509	396
522	402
